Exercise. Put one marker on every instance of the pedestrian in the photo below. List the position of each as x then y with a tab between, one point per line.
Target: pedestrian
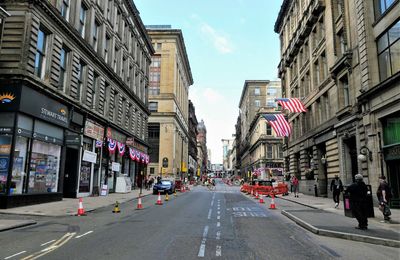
291	184
146	183
384	194
336	188
358	201
295	182
158	179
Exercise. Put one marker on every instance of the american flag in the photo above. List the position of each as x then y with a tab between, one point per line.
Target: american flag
294	105
279	124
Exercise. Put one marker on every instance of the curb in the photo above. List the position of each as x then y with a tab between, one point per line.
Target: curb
26	223
300	203
342	235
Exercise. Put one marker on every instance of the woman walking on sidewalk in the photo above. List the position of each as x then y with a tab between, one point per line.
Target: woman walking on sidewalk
336	188
295	182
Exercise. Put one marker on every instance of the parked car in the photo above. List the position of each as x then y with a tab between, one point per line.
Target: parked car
164	186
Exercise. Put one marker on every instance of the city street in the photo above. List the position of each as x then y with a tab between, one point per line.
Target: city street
220	224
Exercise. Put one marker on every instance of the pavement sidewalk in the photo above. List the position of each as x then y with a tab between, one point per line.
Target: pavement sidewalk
65	207
321	217
68	207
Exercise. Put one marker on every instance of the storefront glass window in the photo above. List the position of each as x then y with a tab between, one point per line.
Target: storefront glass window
5	149
44	167
19	172
86	170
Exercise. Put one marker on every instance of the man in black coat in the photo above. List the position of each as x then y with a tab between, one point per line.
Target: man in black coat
358	197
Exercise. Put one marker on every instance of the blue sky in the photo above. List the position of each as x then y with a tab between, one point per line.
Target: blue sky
228	42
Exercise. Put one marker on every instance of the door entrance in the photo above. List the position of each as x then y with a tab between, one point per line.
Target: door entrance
351	162
394	181
71	173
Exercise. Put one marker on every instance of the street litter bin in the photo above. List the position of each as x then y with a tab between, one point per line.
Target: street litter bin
347	204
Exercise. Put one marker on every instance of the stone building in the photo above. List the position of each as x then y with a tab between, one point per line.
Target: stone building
202	151
74	80
170	79
193	132
258	96
338	57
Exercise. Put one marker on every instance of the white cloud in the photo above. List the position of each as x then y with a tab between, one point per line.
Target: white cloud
220	42
219	116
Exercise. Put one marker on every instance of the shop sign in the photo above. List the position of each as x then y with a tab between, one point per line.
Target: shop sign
115	167
392	153
9	97
38	105
6	130
94	130
5	148
73	139
104	190
89	156
139	146
115	135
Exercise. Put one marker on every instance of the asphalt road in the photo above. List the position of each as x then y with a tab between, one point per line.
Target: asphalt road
220	224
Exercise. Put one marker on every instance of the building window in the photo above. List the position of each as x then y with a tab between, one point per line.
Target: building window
389	52
257	103
95	34
107	49
344	92
153	106
280	151
381	6
159	46
64	53
116	56
82	20
269	129
269	151
81	71
109	8
155	75
65	9
95	92
40	58
257	91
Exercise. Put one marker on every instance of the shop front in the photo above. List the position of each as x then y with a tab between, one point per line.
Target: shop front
31	146
123	163
90	166
391	151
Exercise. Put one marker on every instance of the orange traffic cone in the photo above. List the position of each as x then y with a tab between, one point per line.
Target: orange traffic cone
272	205
139	204
81	210
256	197
159	202
251	193
183	188
261	199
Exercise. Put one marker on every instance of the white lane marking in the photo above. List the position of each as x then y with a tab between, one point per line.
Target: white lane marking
48	248
218	212
218	235
218	251
202	248
212	203
218	224
209	213
87	233
203	243
218	217
48	242
8	257
205	232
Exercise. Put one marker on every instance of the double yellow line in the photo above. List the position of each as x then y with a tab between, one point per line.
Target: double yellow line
60	242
